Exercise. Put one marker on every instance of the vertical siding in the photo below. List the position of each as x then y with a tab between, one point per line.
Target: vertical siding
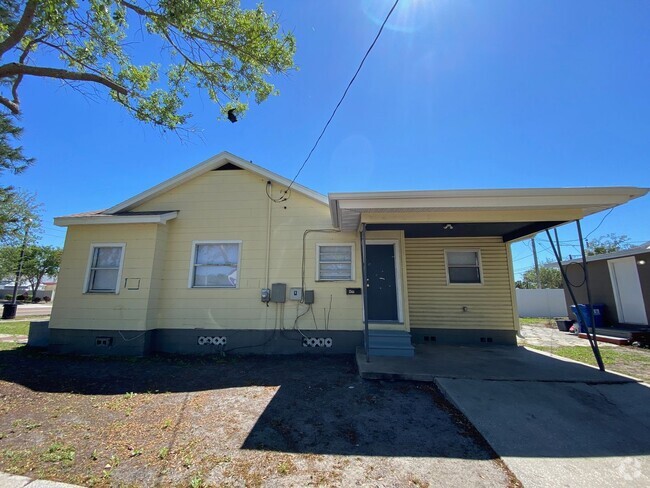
433	303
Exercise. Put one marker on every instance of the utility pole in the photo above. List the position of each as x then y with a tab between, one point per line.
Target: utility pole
9	309
539	279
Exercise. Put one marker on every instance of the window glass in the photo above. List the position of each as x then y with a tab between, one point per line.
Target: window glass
104	269
216	265
463	267
335	262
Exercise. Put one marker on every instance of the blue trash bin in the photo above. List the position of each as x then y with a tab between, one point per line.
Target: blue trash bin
599	313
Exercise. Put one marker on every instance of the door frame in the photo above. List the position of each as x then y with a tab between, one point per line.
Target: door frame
617	296
398	274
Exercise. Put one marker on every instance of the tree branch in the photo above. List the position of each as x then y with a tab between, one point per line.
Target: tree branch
17	69
15	109
21	27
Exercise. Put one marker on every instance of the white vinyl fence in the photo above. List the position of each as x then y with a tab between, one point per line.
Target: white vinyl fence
546	302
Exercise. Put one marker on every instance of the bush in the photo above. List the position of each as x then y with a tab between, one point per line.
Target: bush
22	297
36	300
47	299
9	297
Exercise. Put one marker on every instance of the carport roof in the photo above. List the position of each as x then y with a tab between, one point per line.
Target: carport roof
509	213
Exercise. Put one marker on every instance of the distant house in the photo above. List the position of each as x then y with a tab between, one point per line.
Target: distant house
619	280
222	257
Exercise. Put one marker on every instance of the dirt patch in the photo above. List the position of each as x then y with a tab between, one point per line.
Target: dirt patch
249	421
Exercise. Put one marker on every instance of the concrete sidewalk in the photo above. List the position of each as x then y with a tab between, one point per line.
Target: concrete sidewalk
13	481
553	421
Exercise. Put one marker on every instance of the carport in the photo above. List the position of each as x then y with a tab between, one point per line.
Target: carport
410	296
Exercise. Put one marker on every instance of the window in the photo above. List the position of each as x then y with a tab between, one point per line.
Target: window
335	262
105	267
215	264
463	267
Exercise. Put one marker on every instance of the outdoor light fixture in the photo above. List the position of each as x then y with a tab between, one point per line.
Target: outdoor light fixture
231	115
448	227
641	261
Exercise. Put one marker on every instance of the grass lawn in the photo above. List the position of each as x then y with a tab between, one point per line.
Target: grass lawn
16	328
537	321
627	360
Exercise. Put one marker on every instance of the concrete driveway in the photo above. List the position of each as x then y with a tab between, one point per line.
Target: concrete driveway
554	422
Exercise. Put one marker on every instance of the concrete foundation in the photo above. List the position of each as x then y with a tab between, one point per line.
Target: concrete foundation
471	337
202	341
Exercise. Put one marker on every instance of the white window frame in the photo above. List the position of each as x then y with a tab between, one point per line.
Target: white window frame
195	244
93	246
480	267
336	244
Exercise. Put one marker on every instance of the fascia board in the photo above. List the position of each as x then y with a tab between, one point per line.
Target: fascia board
115	219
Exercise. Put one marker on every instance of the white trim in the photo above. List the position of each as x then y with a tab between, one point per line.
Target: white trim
585	201
115	219
352	262
480	266
397	253
86	284
208	165
190	282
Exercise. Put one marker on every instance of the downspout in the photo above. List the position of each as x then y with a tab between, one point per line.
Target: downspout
364	288
268	238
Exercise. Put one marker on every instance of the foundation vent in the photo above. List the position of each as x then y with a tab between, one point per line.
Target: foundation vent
317	342
211	340
103	341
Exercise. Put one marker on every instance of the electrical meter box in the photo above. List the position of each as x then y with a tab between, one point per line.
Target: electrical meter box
279	292
265	295
309	297
295	293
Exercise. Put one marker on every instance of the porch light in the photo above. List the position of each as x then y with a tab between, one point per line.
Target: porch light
641	261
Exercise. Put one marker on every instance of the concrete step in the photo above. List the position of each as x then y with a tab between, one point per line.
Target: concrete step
390	343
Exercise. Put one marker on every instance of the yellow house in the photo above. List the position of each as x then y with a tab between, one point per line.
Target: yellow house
223	258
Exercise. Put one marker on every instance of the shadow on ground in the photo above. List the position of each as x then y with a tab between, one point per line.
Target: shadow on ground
321	406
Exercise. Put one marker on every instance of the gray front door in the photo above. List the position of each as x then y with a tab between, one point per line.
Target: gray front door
382	287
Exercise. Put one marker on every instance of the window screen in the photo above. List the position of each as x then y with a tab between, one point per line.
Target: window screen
216	265
335	262
463	267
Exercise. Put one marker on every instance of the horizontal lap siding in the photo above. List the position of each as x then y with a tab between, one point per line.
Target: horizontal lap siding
74	309
434	303
233	205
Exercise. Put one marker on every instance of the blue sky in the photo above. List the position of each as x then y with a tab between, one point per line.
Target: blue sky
456	94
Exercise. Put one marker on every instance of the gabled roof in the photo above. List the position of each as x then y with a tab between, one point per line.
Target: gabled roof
122	212
213	163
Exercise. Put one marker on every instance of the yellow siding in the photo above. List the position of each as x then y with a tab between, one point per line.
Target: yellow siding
232	205
127	310
433	303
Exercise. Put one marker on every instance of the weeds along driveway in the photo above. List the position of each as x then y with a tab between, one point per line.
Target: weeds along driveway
249	421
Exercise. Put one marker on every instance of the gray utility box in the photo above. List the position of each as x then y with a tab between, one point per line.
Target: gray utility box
279	292
309	297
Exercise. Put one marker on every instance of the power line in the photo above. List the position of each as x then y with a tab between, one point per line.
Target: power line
601	222
342	98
